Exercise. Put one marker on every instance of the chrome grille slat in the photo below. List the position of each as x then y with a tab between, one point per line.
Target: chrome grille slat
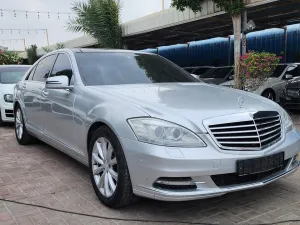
266	128
237	132
273	121
257	134
262	135
235	142
229	127
237	137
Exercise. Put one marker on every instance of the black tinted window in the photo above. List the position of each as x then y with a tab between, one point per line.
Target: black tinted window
43	68
217	72
279	70
201	71
62	66
295	71
107	68
12	75
189	70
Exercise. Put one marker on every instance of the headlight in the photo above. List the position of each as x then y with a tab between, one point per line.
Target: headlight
160	132
8	98
287	121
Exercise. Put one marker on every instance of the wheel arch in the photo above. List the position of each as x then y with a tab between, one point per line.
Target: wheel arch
94	126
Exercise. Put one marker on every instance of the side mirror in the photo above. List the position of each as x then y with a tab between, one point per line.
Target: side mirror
58	82
231	77
288	77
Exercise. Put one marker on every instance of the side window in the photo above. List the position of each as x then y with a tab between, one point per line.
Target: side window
30	74
294	71
43	68
62	66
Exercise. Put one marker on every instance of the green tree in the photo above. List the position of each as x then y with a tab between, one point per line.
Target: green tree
32	54
235	9
100	19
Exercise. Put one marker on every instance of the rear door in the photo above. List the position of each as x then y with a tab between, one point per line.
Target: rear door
32	88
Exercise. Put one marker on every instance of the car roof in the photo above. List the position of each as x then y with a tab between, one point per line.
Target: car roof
78	50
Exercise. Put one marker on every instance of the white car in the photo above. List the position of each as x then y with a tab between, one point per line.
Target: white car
9	76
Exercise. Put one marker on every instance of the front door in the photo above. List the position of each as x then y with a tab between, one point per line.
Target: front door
57	105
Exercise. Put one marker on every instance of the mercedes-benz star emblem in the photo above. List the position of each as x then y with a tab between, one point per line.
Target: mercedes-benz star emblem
241	101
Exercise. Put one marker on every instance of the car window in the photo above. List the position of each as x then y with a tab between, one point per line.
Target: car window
189	70
30	74
111	68
12	75
217	72
201	71
43	68
279	70
62	66
295	72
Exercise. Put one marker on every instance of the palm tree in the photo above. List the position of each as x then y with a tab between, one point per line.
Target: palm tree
100	19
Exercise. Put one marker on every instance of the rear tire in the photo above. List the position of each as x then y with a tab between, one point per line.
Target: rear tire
22	135
108	169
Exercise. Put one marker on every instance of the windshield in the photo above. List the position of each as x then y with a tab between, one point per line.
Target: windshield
278	71
111	68
217	73
12	75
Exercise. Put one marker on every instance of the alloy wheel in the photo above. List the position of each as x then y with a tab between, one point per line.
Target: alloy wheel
19	124
105	167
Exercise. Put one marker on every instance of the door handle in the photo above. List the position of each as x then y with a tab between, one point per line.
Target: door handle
45	92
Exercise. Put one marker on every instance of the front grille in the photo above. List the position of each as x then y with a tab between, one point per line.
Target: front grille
256	134
223	180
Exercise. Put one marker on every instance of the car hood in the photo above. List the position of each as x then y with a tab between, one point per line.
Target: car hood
7	88
188	104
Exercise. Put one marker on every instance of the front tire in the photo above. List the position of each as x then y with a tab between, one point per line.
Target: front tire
22	135
108	169
269	94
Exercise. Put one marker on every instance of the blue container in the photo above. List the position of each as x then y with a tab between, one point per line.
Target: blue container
293	43
175	53
271	40
211	52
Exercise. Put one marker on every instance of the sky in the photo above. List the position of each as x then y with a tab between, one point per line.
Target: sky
131	9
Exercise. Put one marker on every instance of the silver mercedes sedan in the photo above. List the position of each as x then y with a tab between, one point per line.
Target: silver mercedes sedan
146	128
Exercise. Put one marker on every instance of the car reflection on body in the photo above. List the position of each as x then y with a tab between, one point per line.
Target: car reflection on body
146	128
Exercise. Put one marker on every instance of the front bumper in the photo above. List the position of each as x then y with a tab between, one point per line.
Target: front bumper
147	163
7	114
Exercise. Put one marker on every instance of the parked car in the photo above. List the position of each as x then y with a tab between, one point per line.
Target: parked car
9	76
274	86
218	75
145	128
290	98
199	70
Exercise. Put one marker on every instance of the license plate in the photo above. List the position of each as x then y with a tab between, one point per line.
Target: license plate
260	165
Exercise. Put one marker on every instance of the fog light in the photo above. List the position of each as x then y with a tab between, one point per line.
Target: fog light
178	183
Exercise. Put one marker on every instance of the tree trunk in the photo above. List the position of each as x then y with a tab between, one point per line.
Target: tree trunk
237	22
